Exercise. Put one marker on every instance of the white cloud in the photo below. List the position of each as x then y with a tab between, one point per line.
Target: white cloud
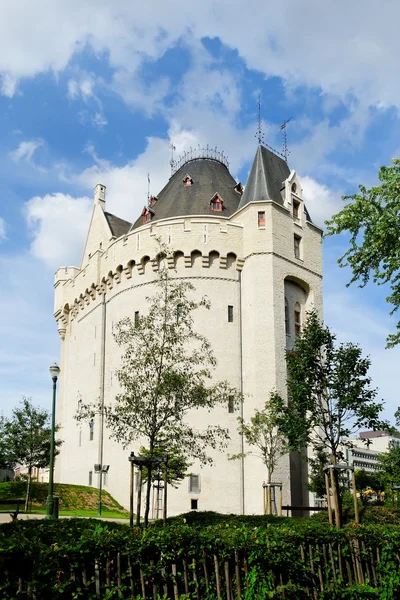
99	120
321	201
346	49
2	229
58	224
26	150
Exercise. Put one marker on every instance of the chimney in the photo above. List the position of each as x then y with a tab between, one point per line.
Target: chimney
100	195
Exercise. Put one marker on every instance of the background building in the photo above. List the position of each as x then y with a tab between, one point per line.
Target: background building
254	252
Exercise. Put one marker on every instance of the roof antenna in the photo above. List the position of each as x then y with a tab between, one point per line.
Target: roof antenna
260	134
286	150
172	162
148	189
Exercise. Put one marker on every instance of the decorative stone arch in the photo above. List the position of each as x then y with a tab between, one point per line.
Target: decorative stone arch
195	258
160	261
231	259
213	259
118	273
129	268
296	294
93	291
144	261
179	259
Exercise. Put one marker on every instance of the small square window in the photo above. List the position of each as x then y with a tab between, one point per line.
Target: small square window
194	484
90	477
297	244
194	504
136	318
230	314
231	404
261	219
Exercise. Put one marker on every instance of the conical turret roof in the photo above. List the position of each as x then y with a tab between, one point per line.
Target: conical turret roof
266	178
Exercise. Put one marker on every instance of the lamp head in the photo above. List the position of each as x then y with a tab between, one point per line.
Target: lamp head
54	371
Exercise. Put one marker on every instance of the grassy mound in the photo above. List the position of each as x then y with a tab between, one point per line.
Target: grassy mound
72	497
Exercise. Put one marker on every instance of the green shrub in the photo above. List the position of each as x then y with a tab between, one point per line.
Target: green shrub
276	557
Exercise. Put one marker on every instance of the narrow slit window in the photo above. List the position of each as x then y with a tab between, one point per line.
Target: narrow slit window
194	504
296	209
297	319
230	313
136	318
231	404
90	477
261	219
179	313
91	430
297	246
287	324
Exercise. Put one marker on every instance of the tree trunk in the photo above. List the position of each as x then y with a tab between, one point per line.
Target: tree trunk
148	494
28	489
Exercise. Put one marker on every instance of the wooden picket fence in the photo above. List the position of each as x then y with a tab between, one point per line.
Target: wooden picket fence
197	574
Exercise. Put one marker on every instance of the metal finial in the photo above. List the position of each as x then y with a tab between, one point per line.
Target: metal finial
172	162
285	151
148	188
260	134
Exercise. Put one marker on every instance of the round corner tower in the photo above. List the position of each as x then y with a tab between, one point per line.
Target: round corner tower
255	253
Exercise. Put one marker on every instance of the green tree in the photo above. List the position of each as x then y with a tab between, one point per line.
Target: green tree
177	464
330	396
371	217
262	433
316	482
166	373
389	463
27	439
5	459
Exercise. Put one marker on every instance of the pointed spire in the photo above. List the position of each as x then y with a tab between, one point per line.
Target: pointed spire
266	178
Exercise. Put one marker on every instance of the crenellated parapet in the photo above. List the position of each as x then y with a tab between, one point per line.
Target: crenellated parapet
134	258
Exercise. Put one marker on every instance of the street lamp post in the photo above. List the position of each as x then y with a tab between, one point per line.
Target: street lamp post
54	372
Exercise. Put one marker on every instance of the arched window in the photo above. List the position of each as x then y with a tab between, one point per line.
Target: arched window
287	324
297	319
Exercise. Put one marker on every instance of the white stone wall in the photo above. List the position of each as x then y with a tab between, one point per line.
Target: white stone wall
233	262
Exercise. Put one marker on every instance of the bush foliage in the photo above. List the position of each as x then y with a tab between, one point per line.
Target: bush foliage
203	556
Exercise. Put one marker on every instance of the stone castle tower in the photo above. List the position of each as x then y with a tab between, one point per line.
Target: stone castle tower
255	253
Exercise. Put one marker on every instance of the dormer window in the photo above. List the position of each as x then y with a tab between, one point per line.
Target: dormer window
239	188
187	181
216	203
296	209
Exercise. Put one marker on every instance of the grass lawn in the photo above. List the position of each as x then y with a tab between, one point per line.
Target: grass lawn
109	514
75	500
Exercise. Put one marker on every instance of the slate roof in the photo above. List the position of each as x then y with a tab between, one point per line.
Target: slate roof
266	178
118	226
209	177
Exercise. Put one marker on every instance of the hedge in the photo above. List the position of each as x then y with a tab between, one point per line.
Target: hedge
285	558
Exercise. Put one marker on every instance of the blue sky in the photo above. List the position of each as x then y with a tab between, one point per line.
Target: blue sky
96	91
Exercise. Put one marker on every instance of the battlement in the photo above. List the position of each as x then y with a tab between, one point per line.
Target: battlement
65	273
